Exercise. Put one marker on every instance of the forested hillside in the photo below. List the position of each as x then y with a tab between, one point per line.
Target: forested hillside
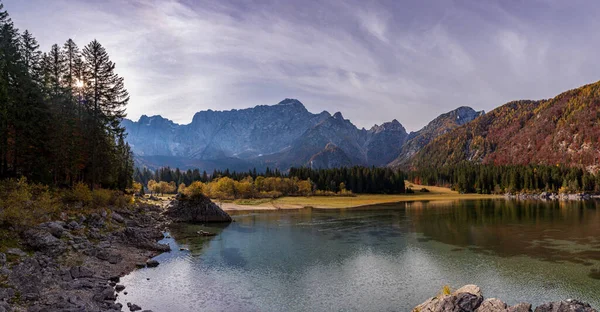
61	112
562	130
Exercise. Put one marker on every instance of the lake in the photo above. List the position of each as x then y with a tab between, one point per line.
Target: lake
378	258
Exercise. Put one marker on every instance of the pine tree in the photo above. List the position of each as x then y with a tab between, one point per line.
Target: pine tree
107	98
72	57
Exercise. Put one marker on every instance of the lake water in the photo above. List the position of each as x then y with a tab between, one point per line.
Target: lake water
379	258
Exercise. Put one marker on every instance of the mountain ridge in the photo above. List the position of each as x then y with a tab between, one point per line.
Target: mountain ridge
279	136
561	130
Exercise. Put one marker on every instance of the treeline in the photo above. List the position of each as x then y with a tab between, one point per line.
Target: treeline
491	179
167	174
60	113
371	180
357	180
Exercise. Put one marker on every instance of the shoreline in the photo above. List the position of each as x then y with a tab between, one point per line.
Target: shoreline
334	202
76	265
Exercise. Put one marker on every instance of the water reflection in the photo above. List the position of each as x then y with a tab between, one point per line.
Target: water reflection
550	231
380	258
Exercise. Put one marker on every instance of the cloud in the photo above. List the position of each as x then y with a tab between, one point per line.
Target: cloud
374	61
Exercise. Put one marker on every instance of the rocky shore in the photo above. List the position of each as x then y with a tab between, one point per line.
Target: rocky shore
551	196
470	299
75	265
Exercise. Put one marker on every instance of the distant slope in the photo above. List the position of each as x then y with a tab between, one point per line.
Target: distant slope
439	126
330	157
562	130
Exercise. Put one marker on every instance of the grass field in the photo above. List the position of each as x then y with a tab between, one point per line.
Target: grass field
435	193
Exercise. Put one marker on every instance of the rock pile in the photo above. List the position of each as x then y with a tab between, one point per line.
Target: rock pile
196	209
470	299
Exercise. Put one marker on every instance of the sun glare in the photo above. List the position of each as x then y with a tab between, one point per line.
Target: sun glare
78	83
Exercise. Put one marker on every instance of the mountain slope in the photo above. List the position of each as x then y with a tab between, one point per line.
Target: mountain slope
439	126
356	146
330	157
561	130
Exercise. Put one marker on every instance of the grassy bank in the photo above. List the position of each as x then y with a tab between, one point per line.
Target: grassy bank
324	202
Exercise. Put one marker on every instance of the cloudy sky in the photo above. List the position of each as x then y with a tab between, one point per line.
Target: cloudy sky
372	60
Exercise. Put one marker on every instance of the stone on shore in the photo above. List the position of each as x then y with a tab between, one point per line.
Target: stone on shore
470	299
521	307
568	305
196	209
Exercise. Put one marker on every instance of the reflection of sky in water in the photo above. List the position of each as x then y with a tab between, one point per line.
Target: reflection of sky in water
385	259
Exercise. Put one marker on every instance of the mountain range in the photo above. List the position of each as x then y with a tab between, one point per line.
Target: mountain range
561	130
278	136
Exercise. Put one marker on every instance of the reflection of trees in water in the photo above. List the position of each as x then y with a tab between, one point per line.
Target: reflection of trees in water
551	231
187	235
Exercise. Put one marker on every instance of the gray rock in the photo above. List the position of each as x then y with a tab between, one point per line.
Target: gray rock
56	228
16	252
2	259
81	272
492	305
117	217
152	263
521	307
468	301
73	225
42	240
106	294
133	307
119	288
199	209
6	294
568	305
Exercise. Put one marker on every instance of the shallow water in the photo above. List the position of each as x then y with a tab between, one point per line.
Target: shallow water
380	258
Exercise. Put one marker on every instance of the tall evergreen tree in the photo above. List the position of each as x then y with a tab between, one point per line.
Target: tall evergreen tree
107	97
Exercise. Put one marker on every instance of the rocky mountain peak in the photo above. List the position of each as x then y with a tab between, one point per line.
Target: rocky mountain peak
465	114
338	115
393	125
156	121
291	102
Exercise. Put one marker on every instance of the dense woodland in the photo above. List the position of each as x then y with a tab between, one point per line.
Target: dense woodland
341	181
60	113
492	179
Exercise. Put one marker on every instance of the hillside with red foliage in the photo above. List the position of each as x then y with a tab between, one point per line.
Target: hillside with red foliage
561	130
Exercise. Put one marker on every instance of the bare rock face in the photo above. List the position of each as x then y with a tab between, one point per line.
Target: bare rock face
470	299
197	209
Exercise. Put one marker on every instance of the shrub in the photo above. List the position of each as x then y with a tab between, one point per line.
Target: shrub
195	189
181	188
80	193
23	204
446	290
102	197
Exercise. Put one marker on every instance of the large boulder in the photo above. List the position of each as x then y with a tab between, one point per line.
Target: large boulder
470	299
466	298
568	305
196	209
492	305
